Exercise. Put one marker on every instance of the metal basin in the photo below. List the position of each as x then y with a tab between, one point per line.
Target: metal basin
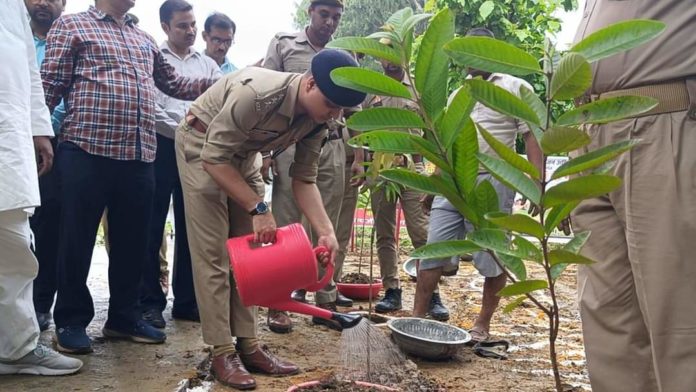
427	339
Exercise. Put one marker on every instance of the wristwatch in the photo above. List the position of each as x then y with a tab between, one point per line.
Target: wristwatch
260	209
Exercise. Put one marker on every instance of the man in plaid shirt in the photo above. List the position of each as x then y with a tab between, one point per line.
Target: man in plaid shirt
107	70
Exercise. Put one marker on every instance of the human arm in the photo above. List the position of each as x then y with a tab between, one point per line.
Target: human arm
309	200
57	68
169	82
273	59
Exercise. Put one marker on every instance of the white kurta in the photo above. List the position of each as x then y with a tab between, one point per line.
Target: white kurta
23	114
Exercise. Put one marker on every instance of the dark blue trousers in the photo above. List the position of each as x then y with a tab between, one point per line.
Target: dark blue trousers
90	183
167	185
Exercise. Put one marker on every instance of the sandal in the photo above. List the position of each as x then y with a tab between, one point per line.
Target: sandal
477	336
496	349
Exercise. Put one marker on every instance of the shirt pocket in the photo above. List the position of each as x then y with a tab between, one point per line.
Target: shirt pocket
263	135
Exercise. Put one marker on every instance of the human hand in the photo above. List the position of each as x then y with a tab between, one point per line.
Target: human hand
419	167
44	150
268	163
357	172
264	228
426	203
331	243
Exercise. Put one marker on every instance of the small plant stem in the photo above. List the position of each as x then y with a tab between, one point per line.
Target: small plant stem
513	280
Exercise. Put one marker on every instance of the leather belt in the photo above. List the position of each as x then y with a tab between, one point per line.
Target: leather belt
195	123
674	96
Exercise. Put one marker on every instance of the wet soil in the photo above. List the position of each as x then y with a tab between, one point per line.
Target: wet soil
355	277
180	363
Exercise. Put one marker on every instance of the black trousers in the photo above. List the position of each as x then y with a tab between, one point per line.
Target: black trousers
89	183
45	225
167	185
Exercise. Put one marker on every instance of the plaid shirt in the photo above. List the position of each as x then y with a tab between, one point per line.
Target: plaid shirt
107	74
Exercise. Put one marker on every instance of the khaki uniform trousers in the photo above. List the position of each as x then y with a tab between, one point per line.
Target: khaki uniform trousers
384	212
637	301
212	218
344	227
330	182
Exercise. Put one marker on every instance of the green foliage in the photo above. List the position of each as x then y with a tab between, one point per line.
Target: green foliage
618	38
524	287
385	118
432	64
607	110
370	81
491	55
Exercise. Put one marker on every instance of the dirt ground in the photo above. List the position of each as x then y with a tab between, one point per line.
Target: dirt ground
125	366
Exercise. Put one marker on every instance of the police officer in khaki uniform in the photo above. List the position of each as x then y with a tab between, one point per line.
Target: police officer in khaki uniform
636	302
293	52
250	111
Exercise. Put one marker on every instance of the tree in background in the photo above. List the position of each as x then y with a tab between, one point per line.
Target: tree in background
361	17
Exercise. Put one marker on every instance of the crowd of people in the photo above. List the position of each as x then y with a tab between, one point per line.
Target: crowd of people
121	127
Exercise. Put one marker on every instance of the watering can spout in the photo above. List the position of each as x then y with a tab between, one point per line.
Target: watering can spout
346	320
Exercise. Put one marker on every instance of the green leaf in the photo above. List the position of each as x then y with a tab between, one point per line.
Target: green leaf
562	256
572	78
557	214
411	180
594	158
456	116
464	156
369	81
578	241
508	155
432	64
486	198
390	35
368	46
523	288
513	304
429	151
557	270
518	223
491	55
445	249
412	22
526	250
511	177
501	100
563	140
398	19
534	102
444	185
385	118
485	9
514	265
617	38
580	188
386	141
608	110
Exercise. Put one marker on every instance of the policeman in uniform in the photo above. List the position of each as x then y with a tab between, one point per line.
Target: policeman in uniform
636	302
218	144
293	53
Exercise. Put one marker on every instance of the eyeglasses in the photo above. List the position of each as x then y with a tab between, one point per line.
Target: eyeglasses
218	41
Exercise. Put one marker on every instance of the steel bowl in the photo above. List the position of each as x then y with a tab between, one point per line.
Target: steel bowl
427	339
410	267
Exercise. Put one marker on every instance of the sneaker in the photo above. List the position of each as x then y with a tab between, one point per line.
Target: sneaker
154	318
437	310
141	332
42	361
391	301
73	340
44	320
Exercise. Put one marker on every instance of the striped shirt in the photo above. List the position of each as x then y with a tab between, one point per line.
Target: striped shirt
108	74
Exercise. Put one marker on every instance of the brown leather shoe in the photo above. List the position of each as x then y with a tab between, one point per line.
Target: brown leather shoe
262	361
333	324
229	370
279	321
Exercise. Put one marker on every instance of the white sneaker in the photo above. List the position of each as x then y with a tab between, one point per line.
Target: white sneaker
42	361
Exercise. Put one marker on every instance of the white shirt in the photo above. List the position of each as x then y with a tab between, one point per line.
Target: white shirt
23	112
170	111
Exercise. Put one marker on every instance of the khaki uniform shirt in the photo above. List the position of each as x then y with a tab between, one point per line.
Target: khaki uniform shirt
670	56
503	127
290	52
253	110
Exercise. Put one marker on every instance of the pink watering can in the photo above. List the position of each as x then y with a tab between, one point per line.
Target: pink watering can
267	274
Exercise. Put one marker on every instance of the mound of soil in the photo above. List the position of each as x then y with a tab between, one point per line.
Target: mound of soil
338	386
355	277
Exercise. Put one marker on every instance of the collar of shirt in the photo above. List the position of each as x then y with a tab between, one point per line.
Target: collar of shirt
101	15
227	66
168	49
40	46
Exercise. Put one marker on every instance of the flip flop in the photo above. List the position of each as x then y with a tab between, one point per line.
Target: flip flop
477	336
496	349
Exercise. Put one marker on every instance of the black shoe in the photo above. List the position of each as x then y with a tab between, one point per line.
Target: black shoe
73	340
299	295
342	300
186	314
391	301
437	310
44	320
154	318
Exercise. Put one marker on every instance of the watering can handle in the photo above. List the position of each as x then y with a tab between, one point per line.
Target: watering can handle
328	273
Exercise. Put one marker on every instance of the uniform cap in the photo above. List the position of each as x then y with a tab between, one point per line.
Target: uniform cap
333	3
322	64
